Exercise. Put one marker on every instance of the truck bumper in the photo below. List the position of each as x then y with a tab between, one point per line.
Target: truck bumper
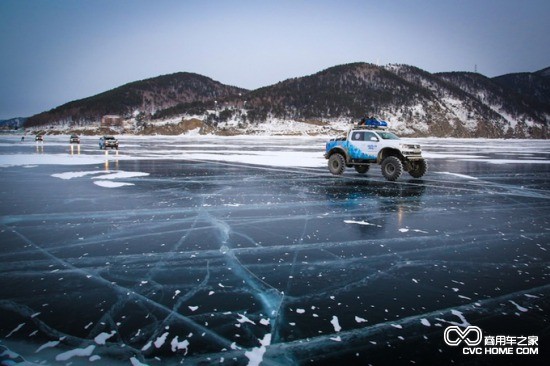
414	157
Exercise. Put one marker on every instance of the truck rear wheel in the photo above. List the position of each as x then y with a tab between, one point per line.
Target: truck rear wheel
392	168
362	169
336	164
418	168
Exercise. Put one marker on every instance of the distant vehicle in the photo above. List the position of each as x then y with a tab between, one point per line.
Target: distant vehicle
74	139
39	138
370	143
106	142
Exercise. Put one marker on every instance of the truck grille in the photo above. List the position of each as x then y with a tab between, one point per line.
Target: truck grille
411	150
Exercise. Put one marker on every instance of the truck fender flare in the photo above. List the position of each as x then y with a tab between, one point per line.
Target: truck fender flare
338	150
388	151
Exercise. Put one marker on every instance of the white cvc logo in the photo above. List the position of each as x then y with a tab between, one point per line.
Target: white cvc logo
454	335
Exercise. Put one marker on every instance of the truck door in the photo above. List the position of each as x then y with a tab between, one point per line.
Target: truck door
367	144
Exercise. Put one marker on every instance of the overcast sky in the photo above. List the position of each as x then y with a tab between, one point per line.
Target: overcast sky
56	51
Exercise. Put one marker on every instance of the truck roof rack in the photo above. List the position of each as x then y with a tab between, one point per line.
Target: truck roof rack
372	123
367	127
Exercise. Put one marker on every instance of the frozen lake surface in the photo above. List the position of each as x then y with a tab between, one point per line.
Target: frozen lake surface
236	251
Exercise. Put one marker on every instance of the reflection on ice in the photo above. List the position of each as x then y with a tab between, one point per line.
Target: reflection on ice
204	261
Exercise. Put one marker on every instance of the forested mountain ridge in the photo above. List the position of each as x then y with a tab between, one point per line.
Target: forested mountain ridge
414	101
143	98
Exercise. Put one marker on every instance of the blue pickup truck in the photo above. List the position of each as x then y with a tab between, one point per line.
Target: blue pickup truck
371	143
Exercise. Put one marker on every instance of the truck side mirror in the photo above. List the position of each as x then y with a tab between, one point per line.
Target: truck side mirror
374	139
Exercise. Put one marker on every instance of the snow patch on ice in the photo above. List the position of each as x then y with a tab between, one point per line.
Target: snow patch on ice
78	352
270	158
360	223
176	345
463	322
510	161
71	175
15	330
459	175
103	337
104	180
405	230
135	362
244	319
335	323
49	159
256	355
146	346
161	340
360	320
520	308
122	174
109	184
50	344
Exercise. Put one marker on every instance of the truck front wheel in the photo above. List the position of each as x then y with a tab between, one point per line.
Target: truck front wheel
336	164
392	168
418	168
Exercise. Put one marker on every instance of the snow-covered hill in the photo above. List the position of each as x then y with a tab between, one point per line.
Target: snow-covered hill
414	101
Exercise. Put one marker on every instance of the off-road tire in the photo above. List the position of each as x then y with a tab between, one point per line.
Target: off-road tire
337	164
392	168
418	168
362	169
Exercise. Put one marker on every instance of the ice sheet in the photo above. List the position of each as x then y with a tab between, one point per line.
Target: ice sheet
247	251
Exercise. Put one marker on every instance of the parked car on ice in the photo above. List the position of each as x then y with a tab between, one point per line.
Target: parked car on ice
108	142
74	139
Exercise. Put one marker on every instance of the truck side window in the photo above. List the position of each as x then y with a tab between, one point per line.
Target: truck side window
369	136
358	136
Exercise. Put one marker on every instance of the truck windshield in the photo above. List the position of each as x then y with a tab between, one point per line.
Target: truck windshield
388	136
